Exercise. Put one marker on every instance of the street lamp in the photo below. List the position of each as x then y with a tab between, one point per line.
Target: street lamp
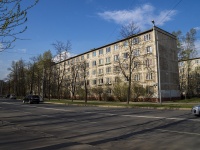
158	62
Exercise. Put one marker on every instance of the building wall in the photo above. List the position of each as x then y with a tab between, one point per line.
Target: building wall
168	64
145	53
189	76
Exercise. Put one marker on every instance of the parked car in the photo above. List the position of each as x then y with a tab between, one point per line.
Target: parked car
196	110
12	96
7	96
32	99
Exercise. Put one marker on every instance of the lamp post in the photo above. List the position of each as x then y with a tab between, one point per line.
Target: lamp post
158	62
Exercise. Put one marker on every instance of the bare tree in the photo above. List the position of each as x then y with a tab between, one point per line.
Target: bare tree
60	67
71	80
12	20
83	73
128	63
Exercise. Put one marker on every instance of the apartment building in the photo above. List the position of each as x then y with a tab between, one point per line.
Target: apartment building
189	76
154	63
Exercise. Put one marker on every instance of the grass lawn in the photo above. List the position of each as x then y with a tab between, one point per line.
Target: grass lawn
186	103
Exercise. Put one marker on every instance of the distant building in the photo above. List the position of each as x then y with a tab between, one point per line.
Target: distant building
103	63
189	76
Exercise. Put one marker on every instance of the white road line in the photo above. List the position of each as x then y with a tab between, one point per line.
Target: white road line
189	133
110	114
55	109
154	117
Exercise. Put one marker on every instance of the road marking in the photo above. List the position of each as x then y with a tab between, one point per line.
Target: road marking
55	109
154	117
110	114
189	133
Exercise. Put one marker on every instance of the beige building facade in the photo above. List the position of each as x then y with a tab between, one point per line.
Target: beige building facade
154	63
189	75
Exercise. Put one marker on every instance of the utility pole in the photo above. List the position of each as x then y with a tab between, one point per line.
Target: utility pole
158	62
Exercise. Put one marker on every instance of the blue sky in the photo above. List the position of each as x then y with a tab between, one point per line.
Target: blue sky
90	24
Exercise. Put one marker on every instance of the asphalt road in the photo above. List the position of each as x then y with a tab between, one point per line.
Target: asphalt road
60	127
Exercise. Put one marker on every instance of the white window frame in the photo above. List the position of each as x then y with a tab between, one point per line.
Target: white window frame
149	76
135	40
108	70
125	55
101	71
100	61
108	50
101	52
136	52
137	77
147	37
94	72
101	81
94	54
107	60
116	46
94	63
116	57
149	50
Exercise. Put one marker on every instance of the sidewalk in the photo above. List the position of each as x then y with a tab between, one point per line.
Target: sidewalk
144	105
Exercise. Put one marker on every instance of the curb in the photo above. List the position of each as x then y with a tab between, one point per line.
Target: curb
107	106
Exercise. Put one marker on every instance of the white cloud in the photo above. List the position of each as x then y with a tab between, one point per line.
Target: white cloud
197	28
22	50
197	46
142	16
63	56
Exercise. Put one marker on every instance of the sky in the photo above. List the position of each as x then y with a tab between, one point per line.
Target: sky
89	24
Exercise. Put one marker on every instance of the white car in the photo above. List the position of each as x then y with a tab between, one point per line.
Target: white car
196	110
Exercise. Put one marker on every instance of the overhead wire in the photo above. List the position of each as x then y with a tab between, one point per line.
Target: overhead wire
170	11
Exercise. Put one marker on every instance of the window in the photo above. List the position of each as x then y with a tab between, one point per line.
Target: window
197	61
125	55
94	63
94	54
108	50
77	59
148	62
147	37
116	69
148	49
100	51
87	73
82	57
125	66
108	81
87	65
149	76
107	60
136	52
135	40
125	43
116	47
100	71
101	81
137	77
94	82
94	72
116	57
88	55
100	61
108	70
136	64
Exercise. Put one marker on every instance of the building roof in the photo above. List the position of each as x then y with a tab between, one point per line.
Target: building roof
135	35
189	59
